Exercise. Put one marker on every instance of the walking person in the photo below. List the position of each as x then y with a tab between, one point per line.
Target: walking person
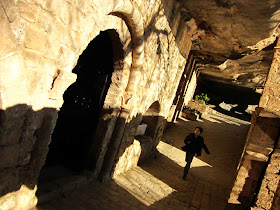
194	144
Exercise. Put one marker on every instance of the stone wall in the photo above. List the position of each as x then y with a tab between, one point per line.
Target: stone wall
259	151
270	99
257	180
268	195
41	43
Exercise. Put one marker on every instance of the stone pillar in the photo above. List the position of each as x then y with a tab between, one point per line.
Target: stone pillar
114	145
181	91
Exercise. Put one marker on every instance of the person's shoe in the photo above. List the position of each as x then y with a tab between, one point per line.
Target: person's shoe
184	177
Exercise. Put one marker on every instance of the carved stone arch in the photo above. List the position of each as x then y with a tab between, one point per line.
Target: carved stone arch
130	13
90	104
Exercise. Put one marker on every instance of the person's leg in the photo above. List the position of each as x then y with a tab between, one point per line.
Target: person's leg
189	158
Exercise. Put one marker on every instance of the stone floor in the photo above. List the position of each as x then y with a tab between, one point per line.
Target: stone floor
158	184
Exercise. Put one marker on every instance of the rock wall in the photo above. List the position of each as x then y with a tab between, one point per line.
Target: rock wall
257	181
268	196
41	43
259	151
270	99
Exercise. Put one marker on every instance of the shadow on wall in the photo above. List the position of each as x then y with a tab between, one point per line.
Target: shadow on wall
252	182
263	139
25	136
123	150
43	122
29	134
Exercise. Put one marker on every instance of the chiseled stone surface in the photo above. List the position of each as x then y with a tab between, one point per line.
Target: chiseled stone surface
268	196
41	43
270	99
231	36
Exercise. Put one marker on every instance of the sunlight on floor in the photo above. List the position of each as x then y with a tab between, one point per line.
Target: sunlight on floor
143	186
220	118
147	188
178	156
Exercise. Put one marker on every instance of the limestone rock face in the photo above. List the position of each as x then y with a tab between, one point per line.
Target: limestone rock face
225	30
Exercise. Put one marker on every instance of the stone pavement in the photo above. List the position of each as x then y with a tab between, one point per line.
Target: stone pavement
158	183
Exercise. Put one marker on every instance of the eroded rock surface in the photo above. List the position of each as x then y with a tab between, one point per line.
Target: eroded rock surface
234	37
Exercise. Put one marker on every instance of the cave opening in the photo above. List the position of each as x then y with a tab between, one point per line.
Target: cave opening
78	117
229	99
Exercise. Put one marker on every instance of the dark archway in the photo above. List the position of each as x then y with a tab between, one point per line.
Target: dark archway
80	113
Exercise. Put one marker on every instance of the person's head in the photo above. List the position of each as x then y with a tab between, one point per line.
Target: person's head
198	131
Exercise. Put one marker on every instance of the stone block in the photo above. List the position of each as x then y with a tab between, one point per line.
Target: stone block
7	38
32	58
52	47
9	179
61	33
84	8
11	121
271	134
28	11
80	43
257	134
10	9
189	115
256	170
24	157
10	132
259	149
203	108
272	181
12	70
66	59
75	19
265	198
9	156
47	21
129	158
35	37
39	84
254	156
31	124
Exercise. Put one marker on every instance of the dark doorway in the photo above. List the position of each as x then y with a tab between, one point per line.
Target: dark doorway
79	115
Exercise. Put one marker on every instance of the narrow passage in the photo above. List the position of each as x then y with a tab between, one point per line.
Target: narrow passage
158	183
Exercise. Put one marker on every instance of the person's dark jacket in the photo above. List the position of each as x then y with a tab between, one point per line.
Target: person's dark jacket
195	144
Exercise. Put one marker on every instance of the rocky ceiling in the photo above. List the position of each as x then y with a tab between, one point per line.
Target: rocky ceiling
233	40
